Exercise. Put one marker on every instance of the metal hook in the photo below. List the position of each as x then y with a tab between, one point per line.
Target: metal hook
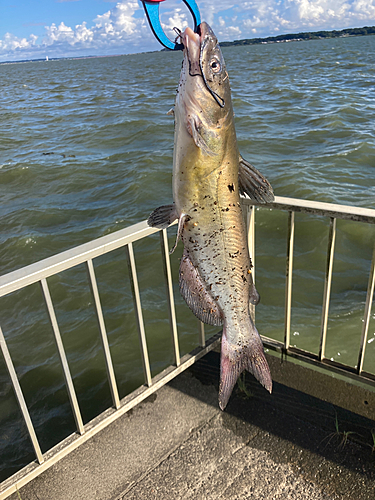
152	12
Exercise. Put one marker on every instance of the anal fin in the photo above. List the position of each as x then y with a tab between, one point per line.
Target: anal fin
195	294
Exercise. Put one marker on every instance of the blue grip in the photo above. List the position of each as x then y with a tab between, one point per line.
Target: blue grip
193	7
152	13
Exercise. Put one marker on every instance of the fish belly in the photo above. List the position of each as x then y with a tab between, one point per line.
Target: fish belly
215	238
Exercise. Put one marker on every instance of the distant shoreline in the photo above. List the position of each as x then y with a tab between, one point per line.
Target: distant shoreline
299	37
291	37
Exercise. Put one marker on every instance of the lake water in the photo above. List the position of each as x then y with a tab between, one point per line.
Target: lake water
86	149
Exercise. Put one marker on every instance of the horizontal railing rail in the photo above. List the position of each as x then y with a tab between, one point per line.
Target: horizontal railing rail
70	258
88	252
336	211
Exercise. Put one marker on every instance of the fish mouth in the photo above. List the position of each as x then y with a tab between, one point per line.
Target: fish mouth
194	42
195	46
192	49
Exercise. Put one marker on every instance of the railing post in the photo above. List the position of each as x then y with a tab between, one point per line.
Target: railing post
366	318
103	334
138	312
250	220
20	399
288	280
327	287
169	287
202	336
64	362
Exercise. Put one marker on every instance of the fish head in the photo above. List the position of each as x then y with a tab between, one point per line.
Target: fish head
204	81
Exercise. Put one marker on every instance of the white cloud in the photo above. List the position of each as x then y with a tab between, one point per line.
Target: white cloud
313	11
234	31
124	29
176	18
13	43
118	20
364	8
59	33
116	31
210	9
271	16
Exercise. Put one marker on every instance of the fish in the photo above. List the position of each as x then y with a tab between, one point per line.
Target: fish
209	174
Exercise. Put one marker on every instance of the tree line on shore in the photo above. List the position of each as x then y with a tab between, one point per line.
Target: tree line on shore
316	35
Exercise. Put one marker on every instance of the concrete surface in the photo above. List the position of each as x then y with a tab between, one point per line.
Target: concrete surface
216	463
179	445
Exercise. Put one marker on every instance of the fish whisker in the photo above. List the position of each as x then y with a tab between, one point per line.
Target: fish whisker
178	37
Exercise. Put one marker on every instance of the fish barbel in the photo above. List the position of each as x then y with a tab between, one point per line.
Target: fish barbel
208	177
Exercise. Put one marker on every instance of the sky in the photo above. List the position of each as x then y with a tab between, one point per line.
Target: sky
32	29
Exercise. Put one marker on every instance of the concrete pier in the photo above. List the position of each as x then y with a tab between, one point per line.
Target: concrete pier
311	439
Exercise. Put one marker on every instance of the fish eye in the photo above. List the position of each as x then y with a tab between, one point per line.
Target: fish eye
215	65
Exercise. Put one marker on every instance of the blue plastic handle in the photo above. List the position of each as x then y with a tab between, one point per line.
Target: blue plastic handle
152	13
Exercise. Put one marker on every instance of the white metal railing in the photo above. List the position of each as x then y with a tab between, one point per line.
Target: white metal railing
40	272
334	212
85	254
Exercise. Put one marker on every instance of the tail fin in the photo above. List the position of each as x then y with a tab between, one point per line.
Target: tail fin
235	359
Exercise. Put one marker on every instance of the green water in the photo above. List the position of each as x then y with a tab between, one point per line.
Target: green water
86	149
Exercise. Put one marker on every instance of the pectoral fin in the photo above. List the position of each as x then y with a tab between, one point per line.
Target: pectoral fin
195	294
162	217
253	183
181	222
193	129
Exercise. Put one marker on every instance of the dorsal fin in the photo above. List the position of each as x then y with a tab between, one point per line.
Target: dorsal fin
253	183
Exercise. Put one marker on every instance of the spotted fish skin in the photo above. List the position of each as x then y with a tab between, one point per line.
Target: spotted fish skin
208	176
